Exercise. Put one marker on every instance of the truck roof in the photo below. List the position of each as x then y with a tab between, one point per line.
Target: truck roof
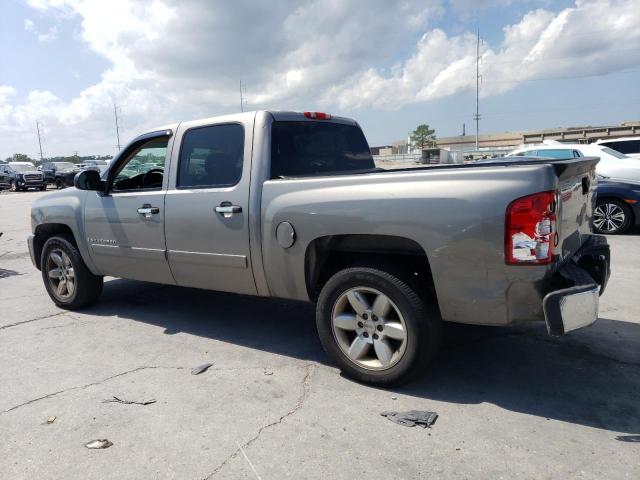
279	115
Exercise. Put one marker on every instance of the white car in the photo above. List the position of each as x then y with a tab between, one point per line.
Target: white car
612	163
628	145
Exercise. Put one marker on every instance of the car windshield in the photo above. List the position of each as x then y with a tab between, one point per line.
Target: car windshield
64	166
22	168
555	153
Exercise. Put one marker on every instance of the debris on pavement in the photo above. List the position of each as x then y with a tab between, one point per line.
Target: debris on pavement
129	402
201	368
412	418
268	372
98	444
51	419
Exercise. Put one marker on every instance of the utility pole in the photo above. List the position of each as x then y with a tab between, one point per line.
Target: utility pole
476	117
39	140
115	112
243	101
464	129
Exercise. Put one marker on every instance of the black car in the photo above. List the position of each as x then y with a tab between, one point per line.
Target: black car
617	205
20	176
60	174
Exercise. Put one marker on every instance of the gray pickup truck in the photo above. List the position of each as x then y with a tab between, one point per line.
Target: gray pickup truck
291	205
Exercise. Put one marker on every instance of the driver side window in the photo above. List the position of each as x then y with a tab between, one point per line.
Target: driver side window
144	168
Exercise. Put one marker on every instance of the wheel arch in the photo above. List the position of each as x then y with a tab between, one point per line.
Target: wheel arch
44	232
326	255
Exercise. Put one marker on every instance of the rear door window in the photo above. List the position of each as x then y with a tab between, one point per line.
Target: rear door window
303	148
211	156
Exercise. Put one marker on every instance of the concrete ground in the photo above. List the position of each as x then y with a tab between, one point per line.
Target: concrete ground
513	403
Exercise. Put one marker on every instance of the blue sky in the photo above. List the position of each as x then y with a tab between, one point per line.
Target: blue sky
390	65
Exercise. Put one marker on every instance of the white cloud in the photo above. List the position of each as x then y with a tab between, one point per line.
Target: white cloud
173	60
542	45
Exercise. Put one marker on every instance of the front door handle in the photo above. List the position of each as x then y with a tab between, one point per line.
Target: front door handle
227	210
147	210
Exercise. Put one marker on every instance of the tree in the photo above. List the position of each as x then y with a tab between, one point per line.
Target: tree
423	137
20	157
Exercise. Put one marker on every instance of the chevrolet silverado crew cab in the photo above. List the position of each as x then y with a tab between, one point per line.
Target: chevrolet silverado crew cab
291	205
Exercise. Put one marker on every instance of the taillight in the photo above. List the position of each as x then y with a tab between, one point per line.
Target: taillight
530	229
318	115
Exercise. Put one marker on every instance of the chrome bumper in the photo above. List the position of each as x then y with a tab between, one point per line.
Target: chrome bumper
575	307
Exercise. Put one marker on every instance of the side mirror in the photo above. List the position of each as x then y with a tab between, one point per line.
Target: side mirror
87	180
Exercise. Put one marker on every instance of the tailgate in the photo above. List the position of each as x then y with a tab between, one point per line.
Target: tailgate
577	182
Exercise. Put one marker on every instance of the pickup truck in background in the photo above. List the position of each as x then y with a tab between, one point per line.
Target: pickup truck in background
17	176
60	174
291	205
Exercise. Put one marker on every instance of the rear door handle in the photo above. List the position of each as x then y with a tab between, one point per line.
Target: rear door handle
147	210
227	210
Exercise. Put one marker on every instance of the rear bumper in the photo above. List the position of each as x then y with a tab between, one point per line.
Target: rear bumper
584	279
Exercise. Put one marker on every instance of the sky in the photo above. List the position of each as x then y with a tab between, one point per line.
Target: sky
391	65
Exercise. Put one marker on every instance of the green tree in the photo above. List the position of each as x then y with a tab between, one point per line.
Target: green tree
423	137
20	157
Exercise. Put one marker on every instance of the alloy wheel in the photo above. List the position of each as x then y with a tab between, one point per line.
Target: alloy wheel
61	275
609	217
369	328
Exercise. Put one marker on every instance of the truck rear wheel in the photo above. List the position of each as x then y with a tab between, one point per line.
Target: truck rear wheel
376	326
67	279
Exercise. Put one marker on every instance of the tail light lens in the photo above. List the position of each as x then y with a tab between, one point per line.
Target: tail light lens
530	229
318	115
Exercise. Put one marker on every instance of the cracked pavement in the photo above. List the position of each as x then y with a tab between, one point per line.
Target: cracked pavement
512	402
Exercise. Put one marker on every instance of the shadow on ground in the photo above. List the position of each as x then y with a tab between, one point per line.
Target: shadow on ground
590	378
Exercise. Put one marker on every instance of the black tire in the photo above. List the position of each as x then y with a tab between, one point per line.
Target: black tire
43	187
13	187
604	205
59	184
421	317
88	286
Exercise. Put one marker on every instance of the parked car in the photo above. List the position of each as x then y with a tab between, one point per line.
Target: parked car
291	205
60	174
18	176
612	163
617	206
97	165
629	146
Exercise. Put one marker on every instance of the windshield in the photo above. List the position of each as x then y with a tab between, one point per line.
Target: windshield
22	167
316	148
65	165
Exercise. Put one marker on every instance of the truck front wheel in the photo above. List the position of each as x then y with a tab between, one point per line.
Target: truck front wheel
67	279
376	326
